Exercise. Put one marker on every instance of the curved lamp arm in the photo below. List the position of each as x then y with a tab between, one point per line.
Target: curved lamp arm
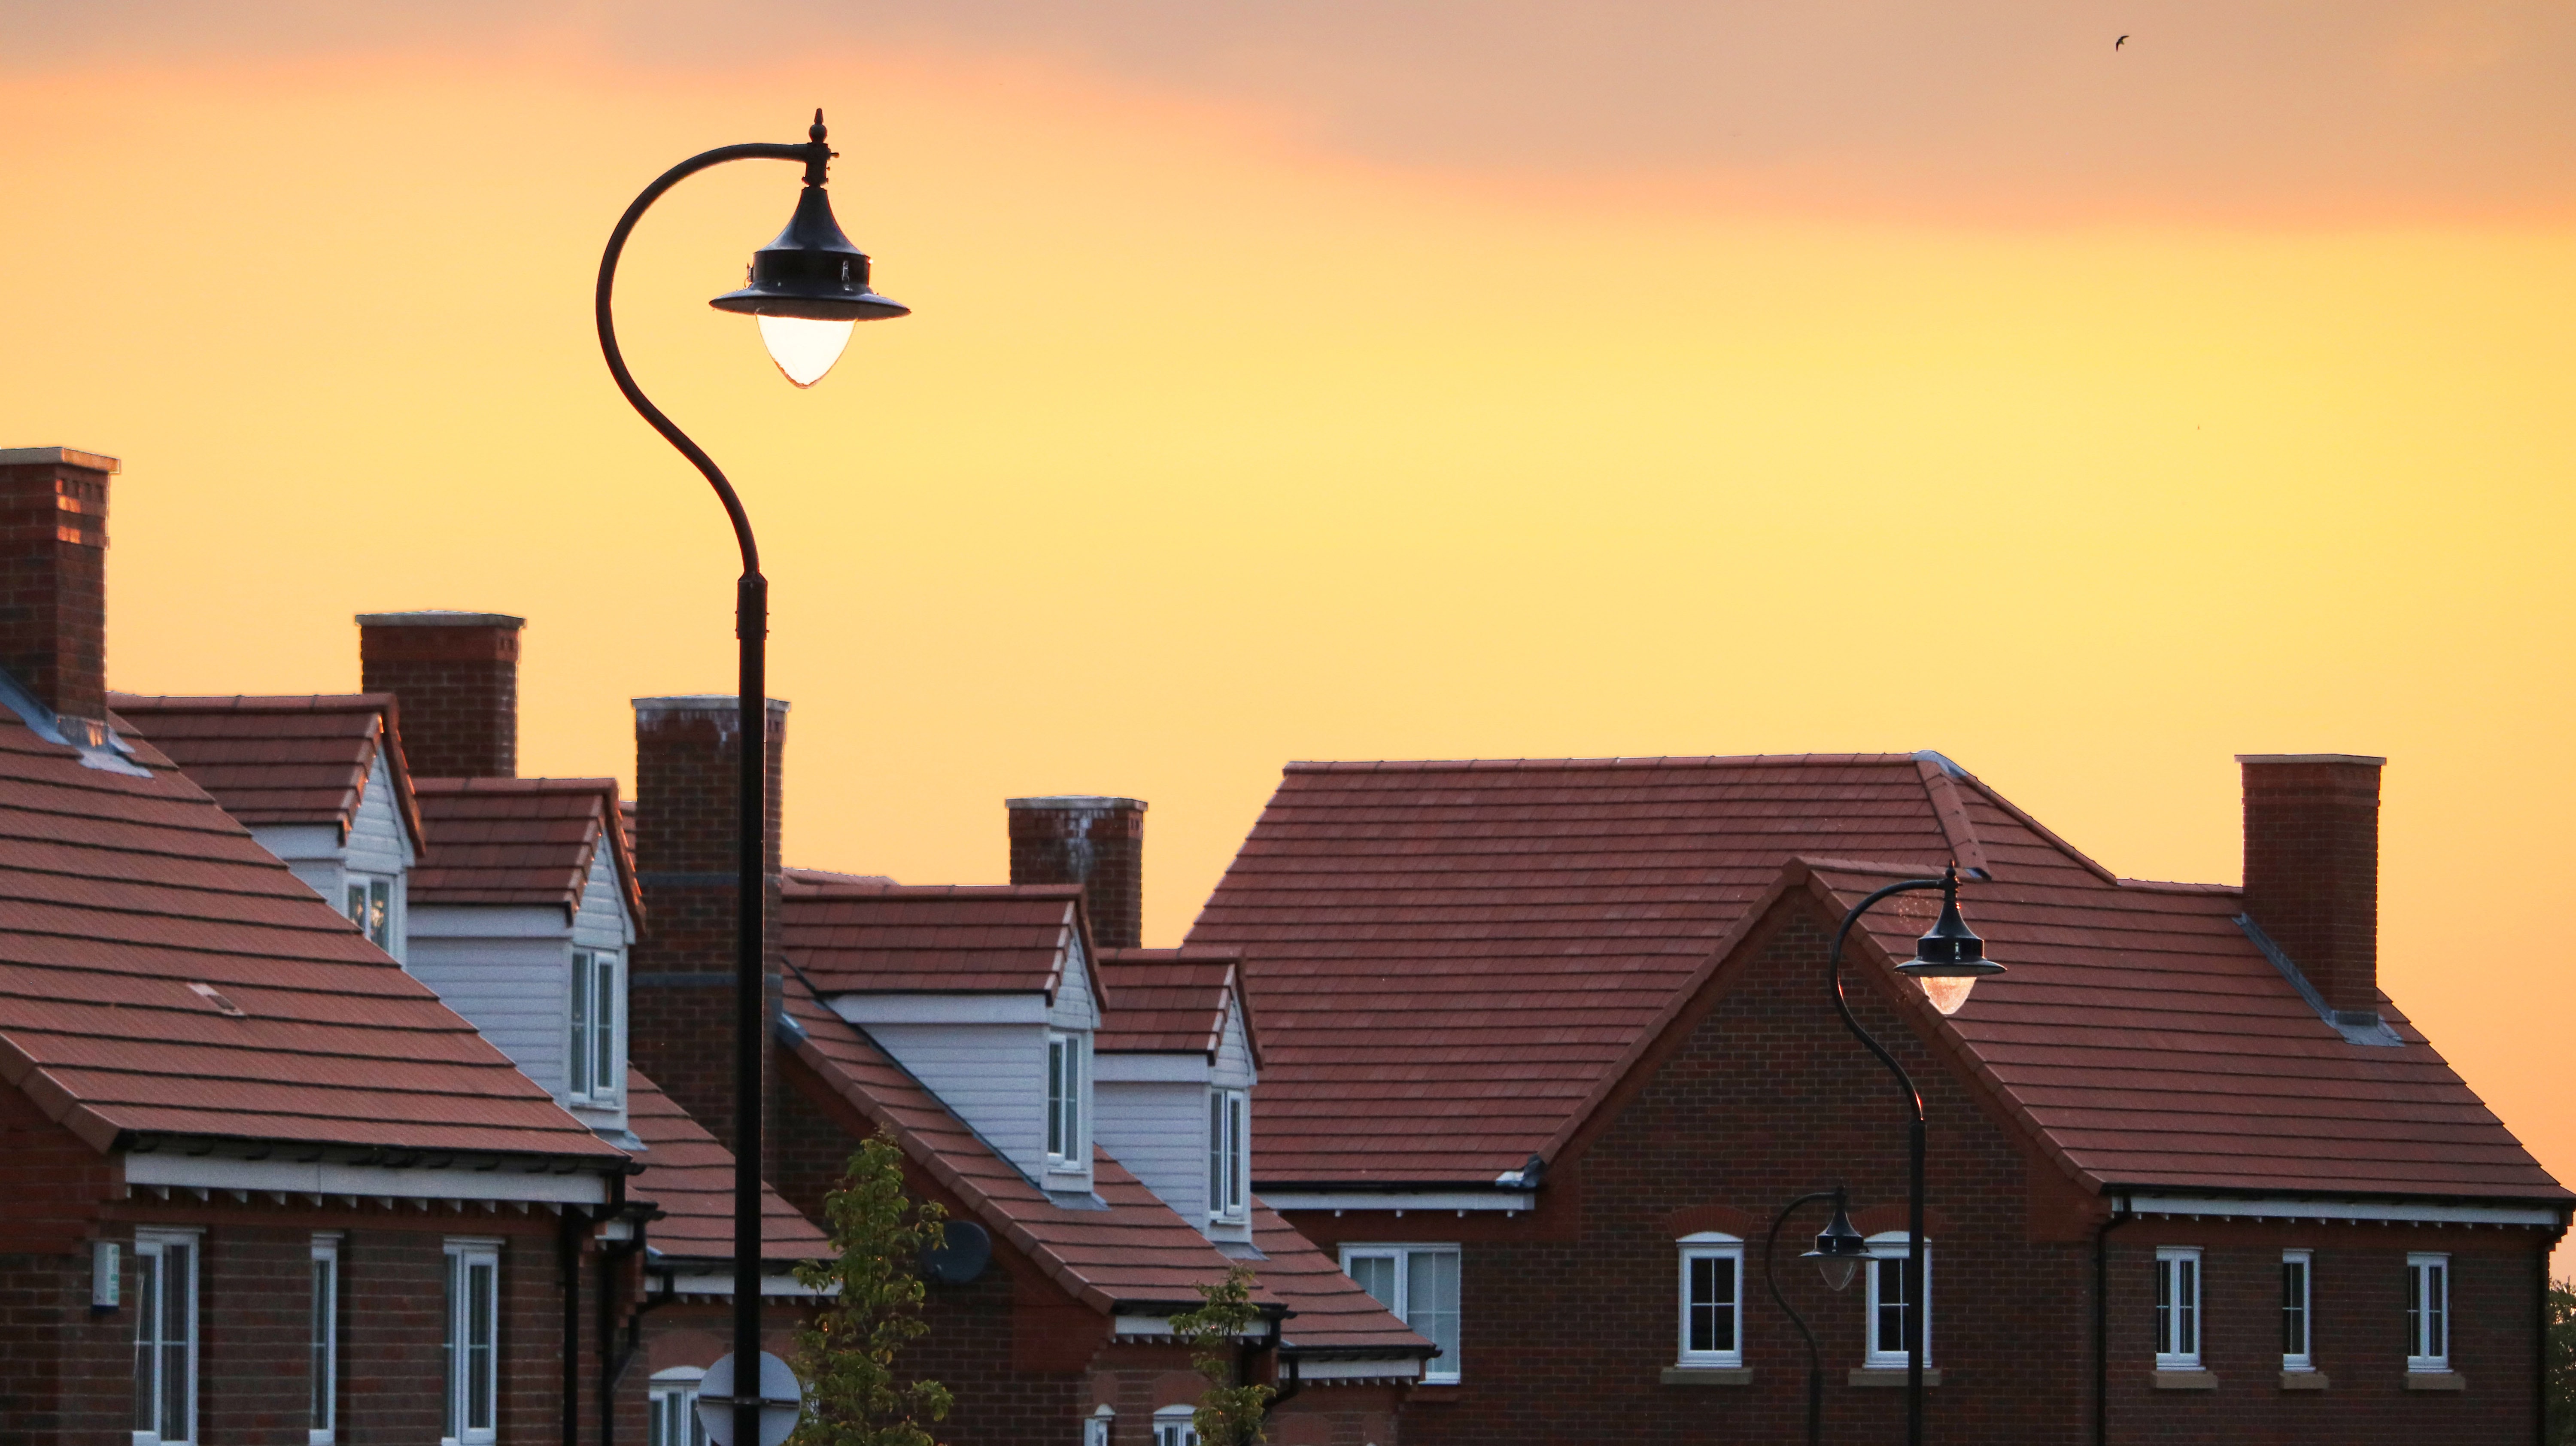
816	156
1834	973
1815	1362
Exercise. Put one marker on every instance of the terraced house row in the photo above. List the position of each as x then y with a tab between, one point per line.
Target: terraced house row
353	1088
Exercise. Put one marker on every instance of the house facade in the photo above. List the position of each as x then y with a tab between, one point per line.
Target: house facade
1553	1042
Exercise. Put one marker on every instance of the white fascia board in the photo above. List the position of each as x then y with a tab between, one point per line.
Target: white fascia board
1399	1200
2395	1211
1149	1068
1160	1327
209	1172
866	1009
720	1282
1394	1368
299	842
487	921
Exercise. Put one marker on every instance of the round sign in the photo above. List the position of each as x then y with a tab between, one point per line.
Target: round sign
782	1401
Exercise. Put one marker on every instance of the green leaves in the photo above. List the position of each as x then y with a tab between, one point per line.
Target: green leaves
1228	1414
847	1354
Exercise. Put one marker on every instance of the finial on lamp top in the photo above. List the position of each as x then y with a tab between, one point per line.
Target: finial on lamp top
815	132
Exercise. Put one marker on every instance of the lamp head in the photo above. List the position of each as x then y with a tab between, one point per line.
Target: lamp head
1950	959
809	285
1839	1248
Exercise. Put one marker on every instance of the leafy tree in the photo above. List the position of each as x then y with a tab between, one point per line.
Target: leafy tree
847	1355
1228	1414
2558	1387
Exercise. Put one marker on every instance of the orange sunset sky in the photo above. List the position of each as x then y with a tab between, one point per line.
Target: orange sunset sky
1326	380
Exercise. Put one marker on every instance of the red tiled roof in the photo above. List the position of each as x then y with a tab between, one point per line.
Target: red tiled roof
1170	1001
690	1177
519	841
1454	961
892	938
1136	1253
118	893
302	759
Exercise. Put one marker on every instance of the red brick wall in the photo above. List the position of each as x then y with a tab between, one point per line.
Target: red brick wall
53	584
680	1008
2312	870
1569	1317
457	677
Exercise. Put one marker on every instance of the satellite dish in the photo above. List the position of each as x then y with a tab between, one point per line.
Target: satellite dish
961	1255
782	1401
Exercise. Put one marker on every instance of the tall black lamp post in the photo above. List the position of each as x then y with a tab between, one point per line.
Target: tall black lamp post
1947	962
807	288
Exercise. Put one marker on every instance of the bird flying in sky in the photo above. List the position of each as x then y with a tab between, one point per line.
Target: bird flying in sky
2116	44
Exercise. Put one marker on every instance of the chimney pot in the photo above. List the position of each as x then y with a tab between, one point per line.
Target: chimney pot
457	676
1089	840
53	599
2312	867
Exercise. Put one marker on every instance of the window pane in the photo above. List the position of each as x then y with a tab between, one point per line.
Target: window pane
1376	1275
1891	1305
380	911
1055	1098
1234	1152
319	1405
178	1315
605	1073
2187	1306
448	1346
1431	1303
479	1322
1216	1152
358	902
2437	1342
2294	1308
580	1050
147	1354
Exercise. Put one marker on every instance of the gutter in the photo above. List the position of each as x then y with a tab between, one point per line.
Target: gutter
2102	1319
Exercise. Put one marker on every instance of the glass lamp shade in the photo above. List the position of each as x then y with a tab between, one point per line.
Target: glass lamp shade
1838	1272
1948	992
804	347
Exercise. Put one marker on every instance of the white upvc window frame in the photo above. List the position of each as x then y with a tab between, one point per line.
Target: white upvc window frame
1097	1427
160	1258
2179	1324
1886	1265
1176	1426
2298	1310
1229	1155
459	1426
322	1356
2428	1312
595	1056
1068	1123
1716	1259
1426	1320
368	901
671	1407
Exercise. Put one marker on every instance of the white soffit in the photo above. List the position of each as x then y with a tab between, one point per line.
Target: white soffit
1398	1368
208	1172
1397	1200
2393	1211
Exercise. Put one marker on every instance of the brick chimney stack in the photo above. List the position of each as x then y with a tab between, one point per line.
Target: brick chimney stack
680	1004
457	677
1098	843
2312	868
53	600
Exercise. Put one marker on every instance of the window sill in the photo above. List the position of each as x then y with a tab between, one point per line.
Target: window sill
2186	1380
1891	1376
2436	1381
1444	1391
2303	1380
1708	1375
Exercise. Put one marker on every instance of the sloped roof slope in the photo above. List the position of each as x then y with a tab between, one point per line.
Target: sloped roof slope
298	759
1454	962
520	841
854	938
163	975
1136	1253
690	1177
1170	1001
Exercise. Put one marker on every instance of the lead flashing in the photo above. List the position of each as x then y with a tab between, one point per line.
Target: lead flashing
62	456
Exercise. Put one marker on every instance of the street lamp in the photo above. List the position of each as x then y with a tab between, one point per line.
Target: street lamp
1839	1251
807	288
1947	963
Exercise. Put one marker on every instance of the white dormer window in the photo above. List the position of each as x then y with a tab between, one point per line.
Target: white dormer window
371	908
1068	1147
1229	1154
598	1067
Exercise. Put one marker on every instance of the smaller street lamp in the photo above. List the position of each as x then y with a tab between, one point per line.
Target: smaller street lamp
1839	1248
1839	1251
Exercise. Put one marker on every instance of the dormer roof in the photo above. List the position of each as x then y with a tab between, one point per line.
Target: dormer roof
1173	1001
286	759
498	841
859	938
